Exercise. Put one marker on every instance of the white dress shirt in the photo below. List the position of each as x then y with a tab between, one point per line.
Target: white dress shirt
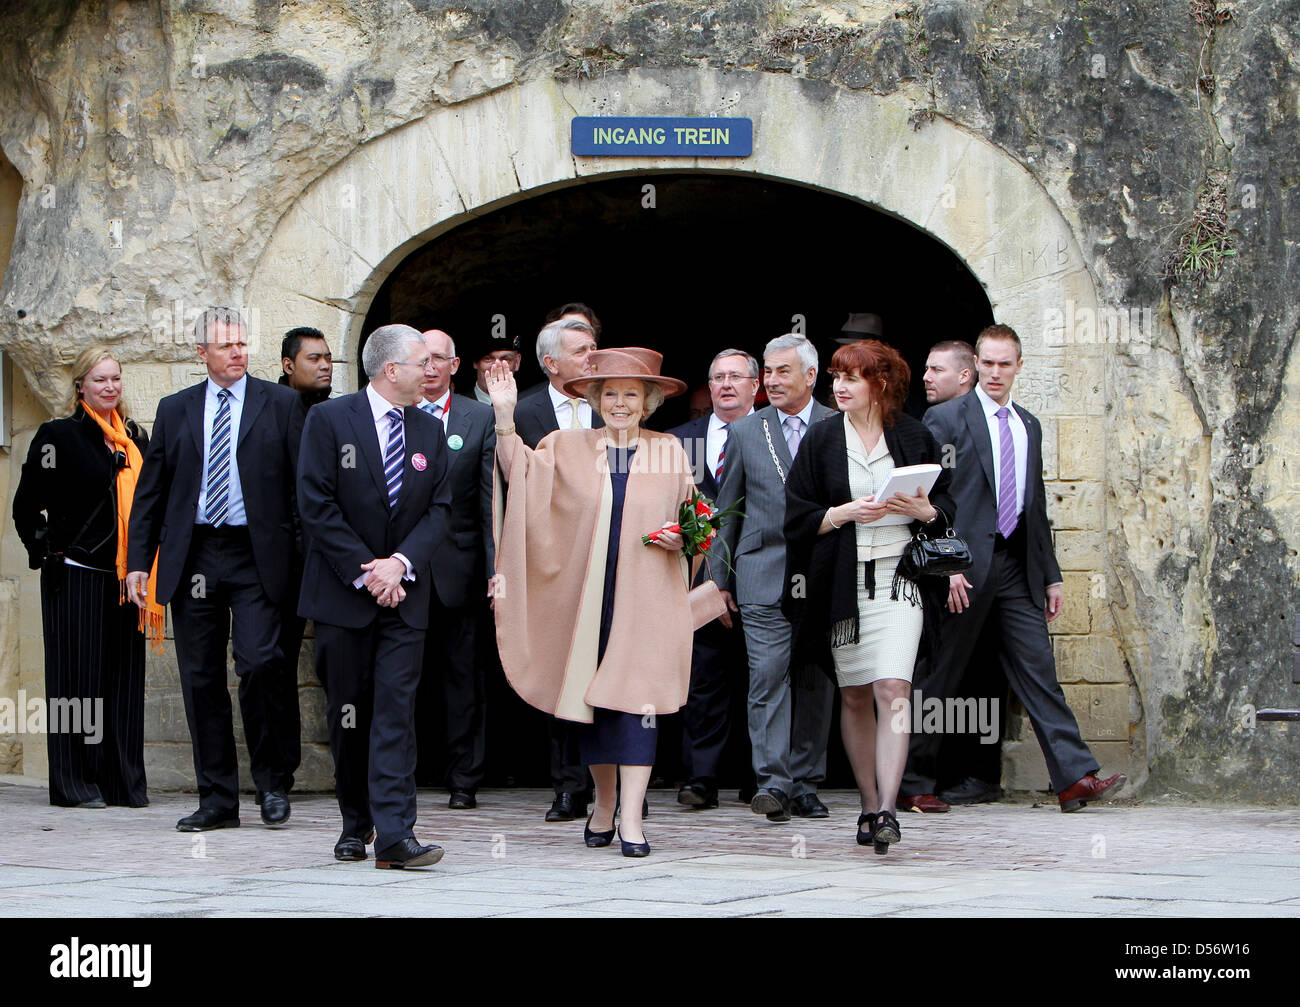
716	437
439	408
564	409
379	408
1019	441
235	490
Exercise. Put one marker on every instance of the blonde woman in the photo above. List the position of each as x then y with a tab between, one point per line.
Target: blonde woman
71	511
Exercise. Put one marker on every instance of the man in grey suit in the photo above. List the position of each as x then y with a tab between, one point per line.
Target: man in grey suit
1014	577
789	721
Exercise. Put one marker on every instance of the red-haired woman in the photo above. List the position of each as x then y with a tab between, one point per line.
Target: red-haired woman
852	610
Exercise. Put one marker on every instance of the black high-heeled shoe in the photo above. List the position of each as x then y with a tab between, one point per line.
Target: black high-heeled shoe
596	839
887	831
641	849
866	838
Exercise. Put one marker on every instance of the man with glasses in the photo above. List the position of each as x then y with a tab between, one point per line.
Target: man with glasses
372	487
462	564
719	647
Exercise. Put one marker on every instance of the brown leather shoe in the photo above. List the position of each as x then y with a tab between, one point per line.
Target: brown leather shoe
927	803
1090	789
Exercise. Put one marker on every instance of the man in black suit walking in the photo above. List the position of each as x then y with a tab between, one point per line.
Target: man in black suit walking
563	347
372	485
216	500
998	486
719	646
462	565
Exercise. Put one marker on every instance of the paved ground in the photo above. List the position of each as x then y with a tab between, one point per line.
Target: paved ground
1154	860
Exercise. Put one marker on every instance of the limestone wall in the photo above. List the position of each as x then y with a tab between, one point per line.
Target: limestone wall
286	156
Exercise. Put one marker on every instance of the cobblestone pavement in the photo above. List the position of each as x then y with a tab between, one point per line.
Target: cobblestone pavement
1153	860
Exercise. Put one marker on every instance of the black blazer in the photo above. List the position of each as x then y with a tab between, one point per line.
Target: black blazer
67	481
961	423
535	416
821	570
694	437
167	495
346	519
463	559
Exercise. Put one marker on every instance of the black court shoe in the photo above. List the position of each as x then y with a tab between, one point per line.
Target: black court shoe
868	836
641	849
596	839
887	831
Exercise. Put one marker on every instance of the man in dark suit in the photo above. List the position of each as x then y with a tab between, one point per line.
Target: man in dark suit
1014	578
372	485
972	767
789	721
719	646
563	347
216	501
462	564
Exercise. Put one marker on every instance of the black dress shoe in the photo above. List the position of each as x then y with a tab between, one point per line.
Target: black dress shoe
867	836
275	808
350	847
641	849
772	803
972	791
205	819
698	795
809	806
566	808
407	853
462	800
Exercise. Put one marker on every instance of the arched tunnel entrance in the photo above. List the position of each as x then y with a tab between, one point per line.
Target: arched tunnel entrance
695	263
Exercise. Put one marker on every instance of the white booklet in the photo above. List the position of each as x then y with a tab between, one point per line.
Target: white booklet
905	480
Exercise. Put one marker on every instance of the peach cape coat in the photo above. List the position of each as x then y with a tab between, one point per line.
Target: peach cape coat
552	535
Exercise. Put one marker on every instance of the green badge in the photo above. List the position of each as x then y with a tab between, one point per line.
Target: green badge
455	442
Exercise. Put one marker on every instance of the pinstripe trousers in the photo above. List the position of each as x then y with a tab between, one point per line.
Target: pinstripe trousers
93	651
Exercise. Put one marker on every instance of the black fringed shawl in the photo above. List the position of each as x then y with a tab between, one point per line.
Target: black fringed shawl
820	597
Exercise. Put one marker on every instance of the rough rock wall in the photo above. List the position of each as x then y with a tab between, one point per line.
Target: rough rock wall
159	143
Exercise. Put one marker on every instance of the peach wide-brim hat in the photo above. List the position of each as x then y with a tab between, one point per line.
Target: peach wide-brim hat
632	362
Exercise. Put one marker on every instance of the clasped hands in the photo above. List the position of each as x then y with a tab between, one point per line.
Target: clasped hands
865	510
385	580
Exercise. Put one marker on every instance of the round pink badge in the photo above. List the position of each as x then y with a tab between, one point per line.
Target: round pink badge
419	461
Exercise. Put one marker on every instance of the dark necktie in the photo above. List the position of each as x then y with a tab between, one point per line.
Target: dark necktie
217	505
395	456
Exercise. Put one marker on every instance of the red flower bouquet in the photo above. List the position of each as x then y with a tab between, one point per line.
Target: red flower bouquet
698	521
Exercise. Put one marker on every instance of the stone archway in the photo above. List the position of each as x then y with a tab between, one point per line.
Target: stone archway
333	249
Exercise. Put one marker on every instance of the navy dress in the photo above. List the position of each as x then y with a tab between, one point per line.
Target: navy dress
614	738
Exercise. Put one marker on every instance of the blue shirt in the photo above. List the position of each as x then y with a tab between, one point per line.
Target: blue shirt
235	515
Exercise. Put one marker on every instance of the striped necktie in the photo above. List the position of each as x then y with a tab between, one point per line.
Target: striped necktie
217	505
722	453
1007	519
395	456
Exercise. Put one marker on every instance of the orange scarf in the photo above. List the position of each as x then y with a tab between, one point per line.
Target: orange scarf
151	616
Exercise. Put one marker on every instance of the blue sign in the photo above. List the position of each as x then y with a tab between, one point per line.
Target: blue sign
661	136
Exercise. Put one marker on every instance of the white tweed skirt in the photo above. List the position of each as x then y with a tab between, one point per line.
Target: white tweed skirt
888	634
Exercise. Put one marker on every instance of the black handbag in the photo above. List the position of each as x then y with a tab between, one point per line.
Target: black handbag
934	557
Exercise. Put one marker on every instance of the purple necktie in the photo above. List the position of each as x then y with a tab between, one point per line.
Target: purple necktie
1006	476
793	434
